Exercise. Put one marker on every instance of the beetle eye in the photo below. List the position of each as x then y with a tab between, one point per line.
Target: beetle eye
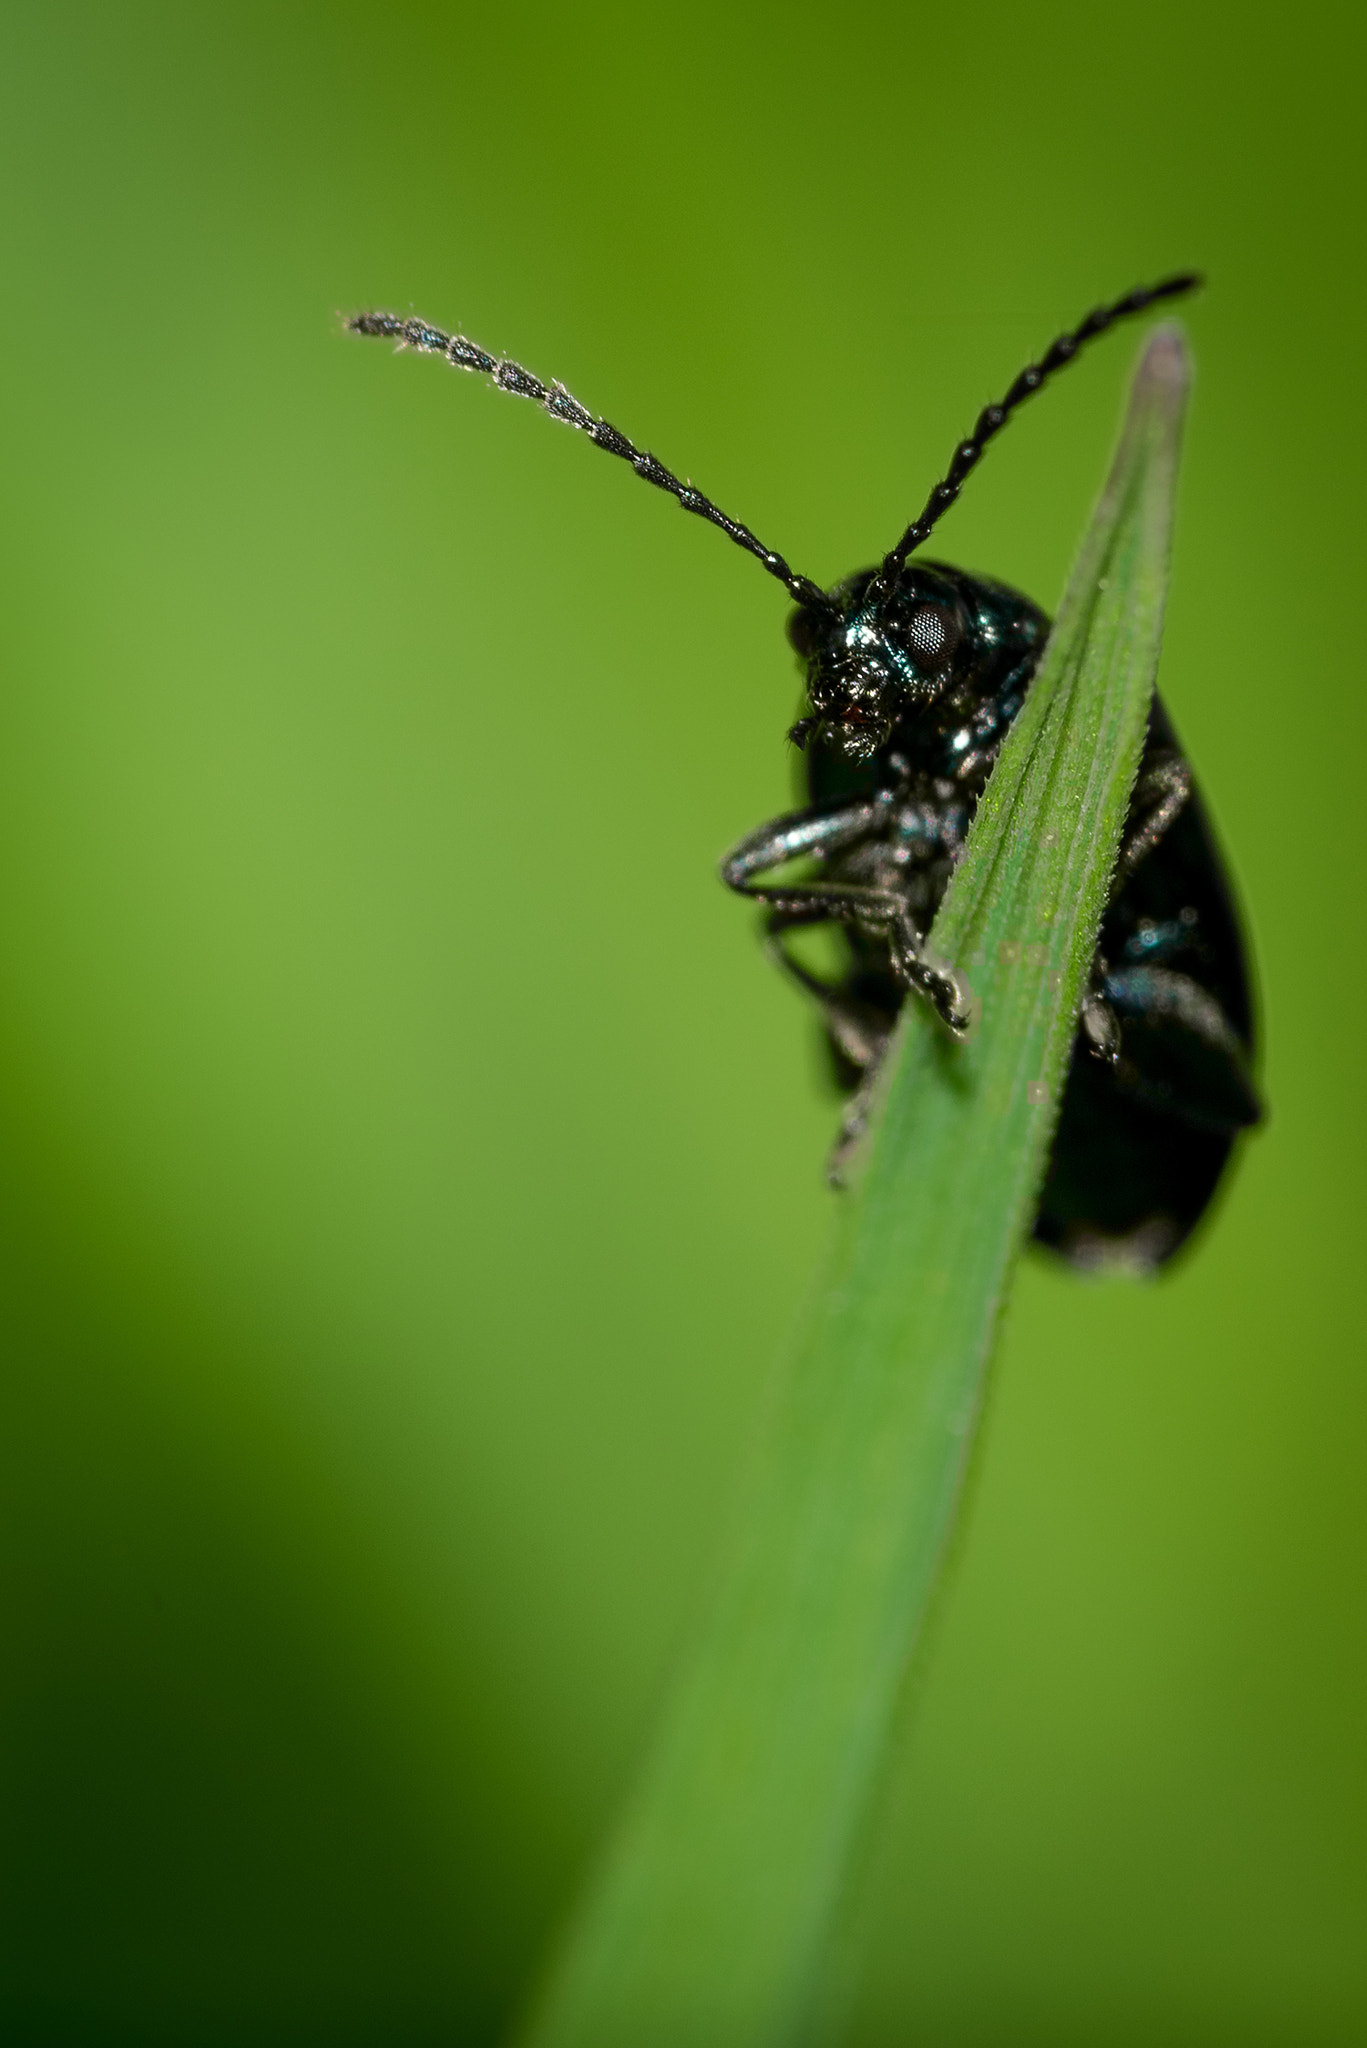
933	633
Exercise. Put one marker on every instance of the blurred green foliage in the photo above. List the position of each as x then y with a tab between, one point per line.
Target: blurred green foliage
409	1167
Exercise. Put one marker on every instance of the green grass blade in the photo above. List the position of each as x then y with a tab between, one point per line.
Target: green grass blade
708	1924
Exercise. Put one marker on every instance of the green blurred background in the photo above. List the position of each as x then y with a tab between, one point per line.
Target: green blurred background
410	1167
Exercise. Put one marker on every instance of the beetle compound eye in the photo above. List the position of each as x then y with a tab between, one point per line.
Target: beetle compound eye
933	633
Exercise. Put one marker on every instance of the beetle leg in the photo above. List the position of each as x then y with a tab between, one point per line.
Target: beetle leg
1166	785
1100	1027
883	911
853	1124
796	835
859	1033
1179	1051
820	831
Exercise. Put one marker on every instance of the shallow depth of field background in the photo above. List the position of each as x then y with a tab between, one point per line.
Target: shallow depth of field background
408	1166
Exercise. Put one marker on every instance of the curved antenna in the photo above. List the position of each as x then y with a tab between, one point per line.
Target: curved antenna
556	400
993	418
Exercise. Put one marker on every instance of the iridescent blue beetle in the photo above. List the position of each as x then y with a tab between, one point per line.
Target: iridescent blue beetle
913	674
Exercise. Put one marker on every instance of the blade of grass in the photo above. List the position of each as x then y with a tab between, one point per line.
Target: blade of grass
708	1922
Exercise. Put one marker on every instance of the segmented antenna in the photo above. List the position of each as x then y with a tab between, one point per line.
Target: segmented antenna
994	417
556	400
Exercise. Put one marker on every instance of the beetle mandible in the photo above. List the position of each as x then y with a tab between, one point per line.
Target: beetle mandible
913	673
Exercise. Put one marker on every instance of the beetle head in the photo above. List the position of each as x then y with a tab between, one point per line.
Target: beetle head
873	653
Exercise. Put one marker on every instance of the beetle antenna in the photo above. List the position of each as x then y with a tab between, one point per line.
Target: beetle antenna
556	400
994	417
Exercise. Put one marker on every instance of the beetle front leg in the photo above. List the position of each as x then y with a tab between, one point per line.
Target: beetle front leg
884	912
815	833
798	835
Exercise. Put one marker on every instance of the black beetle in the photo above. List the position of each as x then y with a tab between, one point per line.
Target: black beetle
913	674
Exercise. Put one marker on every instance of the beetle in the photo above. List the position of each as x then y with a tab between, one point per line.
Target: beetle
913	672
